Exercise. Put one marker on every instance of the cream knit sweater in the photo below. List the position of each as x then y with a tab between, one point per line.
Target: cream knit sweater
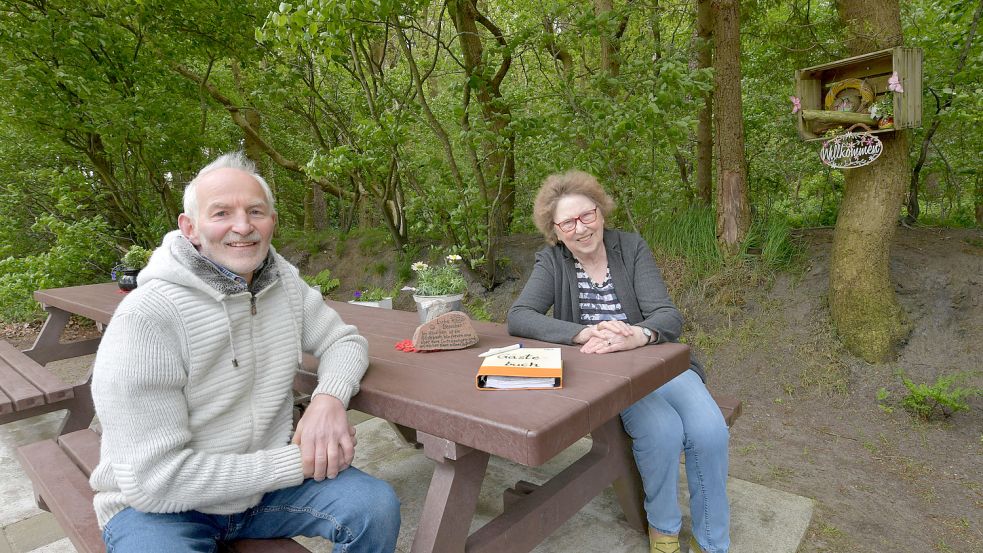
193	386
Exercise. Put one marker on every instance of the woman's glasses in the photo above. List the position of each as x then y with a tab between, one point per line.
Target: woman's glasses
586	218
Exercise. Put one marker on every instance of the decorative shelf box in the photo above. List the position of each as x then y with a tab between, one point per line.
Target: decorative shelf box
812	84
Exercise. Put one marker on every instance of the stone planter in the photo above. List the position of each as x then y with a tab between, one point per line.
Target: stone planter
384	303
429	307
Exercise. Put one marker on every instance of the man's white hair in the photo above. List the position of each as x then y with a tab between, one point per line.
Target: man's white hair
233	160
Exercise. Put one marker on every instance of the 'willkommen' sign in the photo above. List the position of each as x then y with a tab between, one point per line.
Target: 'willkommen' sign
851	149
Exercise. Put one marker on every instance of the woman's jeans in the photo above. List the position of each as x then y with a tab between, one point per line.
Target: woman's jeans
681	416
357	512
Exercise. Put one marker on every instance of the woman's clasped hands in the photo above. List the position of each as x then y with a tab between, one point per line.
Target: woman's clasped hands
610	336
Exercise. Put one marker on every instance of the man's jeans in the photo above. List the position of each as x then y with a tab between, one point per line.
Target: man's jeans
682	416
357	512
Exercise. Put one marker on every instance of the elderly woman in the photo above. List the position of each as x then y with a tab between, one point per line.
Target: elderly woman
607	296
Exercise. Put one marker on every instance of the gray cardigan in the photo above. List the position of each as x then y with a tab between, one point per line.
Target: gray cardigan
637	281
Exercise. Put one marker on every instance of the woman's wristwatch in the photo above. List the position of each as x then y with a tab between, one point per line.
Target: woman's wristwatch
649	336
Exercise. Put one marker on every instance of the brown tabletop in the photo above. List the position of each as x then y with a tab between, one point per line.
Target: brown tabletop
435	392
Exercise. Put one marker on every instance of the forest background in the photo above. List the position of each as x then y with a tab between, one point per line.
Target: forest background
394	132
436	121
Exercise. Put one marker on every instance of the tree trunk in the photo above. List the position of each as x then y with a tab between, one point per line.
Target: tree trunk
733	213
865	310
495	173
704	126
610	50
978	200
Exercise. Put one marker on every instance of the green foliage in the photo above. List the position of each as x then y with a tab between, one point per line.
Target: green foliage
688	234
938	400
108	108
372	241
324	280
372	294
79	253
772	239
882	396
439	280
379	269
479	309
136	257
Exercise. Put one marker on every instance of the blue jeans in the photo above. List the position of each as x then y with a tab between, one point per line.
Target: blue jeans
357	512
682	417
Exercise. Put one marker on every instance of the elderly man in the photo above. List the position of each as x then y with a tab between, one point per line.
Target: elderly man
193	386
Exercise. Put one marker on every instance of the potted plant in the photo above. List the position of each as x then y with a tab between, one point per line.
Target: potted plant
439	289
883	111
135	259
373	297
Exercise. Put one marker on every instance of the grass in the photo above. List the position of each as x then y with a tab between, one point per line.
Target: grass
690	235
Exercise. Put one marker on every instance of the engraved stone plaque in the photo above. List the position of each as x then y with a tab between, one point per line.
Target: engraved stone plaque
448	331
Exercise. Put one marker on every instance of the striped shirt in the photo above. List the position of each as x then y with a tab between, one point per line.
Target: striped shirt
597	302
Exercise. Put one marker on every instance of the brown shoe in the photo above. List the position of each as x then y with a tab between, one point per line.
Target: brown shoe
664	544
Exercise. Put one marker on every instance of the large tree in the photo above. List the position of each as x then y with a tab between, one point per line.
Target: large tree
866	312
733	212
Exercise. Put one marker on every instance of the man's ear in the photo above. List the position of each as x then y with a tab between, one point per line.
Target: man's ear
187	226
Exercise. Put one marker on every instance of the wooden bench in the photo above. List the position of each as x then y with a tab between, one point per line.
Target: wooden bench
730	407
28	389
60	472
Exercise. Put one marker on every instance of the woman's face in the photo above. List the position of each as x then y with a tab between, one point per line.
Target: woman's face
583	239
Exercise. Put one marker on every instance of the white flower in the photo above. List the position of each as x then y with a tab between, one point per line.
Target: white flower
419	266
453	258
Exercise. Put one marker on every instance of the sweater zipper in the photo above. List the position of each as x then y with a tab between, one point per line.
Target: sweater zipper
252	303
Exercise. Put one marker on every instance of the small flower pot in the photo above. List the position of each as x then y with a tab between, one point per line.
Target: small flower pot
128	280
885	123
384	303
429	307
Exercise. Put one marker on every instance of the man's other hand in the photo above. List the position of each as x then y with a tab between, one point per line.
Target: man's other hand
326	440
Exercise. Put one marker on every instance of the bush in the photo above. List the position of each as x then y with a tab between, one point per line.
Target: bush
81	252
939	399
323	280
136	257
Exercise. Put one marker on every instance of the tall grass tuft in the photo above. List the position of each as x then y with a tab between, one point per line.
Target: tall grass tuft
690	235
773	239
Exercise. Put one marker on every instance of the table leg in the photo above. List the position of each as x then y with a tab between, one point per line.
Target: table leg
81	410
48	346
534	512
452	497
628	487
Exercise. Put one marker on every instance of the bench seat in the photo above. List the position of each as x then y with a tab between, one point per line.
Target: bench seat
60	472
27	389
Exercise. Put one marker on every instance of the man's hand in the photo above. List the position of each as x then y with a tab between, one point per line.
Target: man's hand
326	440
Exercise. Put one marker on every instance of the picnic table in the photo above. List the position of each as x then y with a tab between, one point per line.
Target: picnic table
460	427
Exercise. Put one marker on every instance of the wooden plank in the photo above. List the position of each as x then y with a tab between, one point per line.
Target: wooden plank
65	490
266	546
6	404
82	448
908	104
863	58
730	407
54	388
93	301
23	395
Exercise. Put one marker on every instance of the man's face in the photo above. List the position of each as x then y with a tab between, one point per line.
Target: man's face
234	224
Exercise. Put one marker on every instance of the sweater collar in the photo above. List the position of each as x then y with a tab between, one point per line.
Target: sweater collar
612	243
218	277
